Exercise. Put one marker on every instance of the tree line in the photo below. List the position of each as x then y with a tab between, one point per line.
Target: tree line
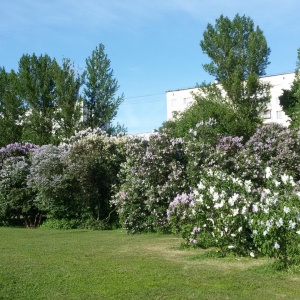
45	102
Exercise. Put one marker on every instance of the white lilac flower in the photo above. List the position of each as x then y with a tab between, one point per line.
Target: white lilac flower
279	223
254	231
201	186
211	190
231	246
268	172
251	254
285	178
244	210
292	224
235	212
276	245
233	199
219	205
277	183
266	210
215	196
248	185
240	229
268	223
255	208
199	199
265	232
286	209
298	232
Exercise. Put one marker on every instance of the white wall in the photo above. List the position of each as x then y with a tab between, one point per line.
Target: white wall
179	100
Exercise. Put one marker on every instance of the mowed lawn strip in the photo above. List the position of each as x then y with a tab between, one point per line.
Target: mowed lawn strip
82	264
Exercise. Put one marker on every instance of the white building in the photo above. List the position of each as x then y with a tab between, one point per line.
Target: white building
179	100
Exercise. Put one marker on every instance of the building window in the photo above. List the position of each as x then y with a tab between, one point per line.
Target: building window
279	114
267	114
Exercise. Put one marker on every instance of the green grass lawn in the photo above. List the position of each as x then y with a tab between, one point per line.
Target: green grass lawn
79	264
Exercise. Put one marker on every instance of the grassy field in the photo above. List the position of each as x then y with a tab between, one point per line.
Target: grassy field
78	264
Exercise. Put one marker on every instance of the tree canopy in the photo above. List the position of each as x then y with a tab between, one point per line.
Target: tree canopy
42	101
99	95
290	99
239	56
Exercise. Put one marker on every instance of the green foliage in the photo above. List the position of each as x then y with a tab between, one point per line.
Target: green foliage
100	103
150	178
275	219
93	161
74	181
68	104
55	189
61	224
290	99
209	118
50	94
239	55
37	91
17	205
11	109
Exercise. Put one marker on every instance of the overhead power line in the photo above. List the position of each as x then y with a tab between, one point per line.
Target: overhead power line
142	96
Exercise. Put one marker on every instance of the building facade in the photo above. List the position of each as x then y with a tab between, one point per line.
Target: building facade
179	100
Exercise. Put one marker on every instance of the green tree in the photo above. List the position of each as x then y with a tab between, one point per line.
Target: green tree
290	99
68	102
100	102
11	109
37	90
239	56
211	117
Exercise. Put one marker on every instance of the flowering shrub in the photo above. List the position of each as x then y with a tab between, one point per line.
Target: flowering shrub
17	204
241	218
150	178
74	181
219	206
55	189
93	161
275	219
272	145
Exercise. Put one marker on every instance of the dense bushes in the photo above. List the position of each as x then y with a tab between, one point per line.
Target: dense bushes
17	203
153	173
72	182
240	197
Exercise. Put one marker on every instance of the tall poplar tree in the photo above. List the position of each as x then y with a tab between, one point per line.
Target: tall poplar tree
11	109
239	56
99	95
37	90
68	103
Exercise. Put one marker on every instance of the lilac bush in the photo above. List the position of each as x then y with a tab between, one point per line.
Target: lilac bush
218	206
271	146
17	205
150	178
275	218
55	190
93	161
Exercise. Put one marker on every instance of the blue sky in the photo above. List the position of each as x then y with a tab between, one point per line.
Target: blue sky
153	45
